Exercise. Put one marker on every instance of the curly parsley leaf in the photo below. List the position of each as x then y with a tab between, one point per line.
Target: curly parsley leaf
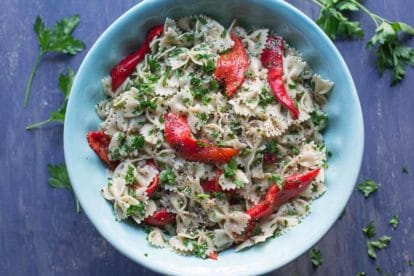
368	187
65	85
369	230
316	257
381	243
394	222
59	178
231	168
334	21
58	39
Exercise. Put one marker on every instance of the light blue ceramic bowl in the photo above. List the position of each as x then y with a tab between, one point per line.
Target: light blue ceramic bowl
344	137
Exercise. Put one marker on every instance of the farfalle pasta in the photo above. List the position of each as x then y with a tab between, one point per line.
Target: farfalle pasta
212	136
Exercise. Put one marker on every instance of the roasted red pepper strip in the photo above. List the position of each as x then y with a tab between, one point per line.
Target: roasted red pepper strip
160	218
152	187
212	185
99	142
232	66
272	59
213	255
293	186
127	65
178	136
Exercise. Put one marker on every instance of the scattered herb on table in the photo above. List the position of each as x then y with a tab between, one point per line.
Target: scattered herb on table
404	170
381	243
368	187
65	84
361	274
390	51
58	178
394	222
410	263
369	230
316	257
58	39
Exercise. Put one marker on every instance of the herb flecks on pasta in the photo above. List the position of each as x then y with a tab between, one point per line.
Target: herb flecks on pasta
212	136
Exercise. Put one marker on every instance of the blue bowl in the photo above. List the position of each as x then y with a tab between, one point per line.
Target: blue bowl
344	136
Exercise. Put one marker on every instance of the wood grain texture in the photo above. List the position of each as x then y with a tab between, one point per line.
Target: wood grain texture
40	232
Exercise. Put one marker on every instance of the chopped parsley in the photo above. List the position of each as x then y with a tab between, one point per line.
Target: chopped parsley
316	257
167	176
202	116
208	66
294	150
239	183
319	119
244	152
292	85
381	243
154	65
257	230
214	85
195	81
277	179
361	274
404	170
394	222
271	147
410	263
368	187
129	177
199	249
231	168
369	230
137	210
265	97
202	196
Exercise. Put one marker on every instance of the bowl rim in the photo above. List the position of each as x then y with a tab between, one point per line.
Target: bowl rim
352	93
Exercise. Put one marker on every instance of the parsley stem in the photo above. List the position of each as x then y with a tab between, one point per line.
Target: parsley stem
32	74
318	3
29	127
377	19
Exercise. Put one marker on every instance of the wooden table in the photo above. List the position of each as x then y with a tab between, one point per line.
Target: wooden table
40	232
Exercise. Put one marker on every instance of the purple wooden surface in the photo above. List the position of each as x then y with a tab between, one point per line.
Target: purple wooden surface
40	232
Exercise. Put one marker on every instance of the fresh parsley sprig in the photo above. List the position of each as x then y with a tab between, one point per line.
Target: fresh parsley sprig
59	178
58	39
390	51
316	257
65	85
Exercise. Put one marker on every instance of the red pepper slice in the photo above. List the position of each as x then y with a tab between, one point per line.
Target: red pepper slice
232	66
99	142
212	185
213	255
152	187
272	59
293	186
127	65
178	136
160	218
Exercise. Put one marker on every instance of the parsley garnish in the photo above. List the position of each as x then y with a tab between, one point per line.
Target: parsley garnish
137	210
202	196
404	170
129	177
265	98
59	39
316	257
199	249
59	178
368	187
394	222
231	168
167	176
257	230
65	84
361	274
271	147
202	116
369	230
319	119
208	66
381	243
390	51
410	263
277	179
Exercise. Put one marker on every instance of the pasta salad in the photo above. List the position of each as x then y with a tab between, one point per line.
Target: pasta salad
212	136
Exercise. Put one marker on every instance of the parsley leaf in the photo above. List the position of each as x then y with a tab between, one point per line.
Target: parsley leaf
316	257
361	274
381	243
59	178
201	196
231	168
334	22
369	230
65	85
404	170
167	176
394	222
199	249
368	187
58	39
137	210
